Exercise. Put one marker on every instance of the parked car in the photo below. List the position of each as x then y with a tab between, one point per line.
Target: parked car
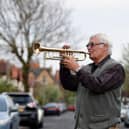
71	108
9	116
62	106
126	119
124	109
54	108
31	114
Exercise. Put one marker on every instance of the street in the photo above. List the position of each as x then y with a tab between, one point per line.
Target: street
64	121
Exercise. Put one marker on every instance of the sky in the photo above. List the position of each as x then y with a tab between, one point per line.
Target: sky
102	16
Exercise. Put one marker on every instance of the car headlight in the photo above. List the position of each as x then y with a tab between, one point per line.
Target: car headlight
4	121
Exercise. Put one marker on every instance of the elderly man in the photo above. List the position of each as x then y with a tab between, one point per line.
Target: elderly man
98	85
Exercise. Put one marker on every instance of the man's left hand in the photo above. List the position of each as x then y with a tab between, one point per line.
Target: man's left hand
70	62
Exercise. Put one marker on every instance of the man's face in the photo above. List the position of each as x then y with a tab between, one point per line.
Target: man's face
96	49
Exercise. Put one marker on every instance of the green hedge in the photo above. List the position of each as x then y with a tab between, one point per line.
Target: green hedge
7	87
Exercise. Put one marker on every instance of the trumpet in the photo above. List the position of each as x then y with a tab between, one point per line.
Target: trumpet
50	52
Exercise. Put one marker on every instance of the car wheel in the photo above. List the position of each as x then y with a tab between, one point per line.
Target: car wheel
126	125
35	126
58	113
11	126
41	124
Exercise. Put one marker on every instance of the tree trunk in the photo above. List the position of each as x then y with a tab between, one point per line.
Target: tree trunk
25	70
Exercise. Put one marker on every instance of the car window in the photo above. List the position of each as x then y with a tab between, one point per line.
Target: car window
11	103
3	105
51	105
21	99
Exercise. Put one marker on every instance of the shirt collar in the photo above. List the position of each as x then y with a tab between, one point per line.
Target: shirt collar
103	61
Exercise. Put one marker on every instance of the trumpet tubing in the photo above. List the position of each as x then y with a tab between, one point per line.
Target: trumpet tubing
49	52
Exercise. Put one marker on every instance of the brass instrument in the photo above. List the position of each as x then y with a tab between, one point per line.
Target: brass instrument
78	55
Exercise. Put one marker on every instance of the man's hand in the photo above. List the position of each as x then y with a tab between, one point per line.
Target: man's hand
70	62
66	47
63	54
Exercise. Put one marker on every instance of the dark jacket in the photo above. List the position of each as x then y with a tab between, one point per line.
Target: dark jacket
98	101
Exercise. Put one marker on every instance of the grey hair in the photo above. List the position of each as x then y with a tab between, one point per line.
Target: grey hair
103	38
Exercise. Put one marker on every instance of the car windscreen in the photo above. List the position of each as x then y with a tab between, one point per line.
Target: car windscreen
50	105
21	99
3	105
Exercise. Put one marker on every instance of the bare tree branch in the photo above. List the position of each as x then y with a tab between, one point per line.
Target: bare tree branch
23	22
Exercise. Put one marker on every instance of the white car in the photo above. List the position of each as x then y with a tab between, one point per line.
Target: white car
9	116
124	109
126	119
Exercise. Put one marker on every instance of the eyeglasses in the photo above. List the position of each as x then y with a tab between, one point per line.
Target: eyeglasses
92	44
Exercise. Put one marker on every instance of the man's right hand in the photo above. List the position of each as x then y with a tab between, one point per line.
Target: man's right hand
66	46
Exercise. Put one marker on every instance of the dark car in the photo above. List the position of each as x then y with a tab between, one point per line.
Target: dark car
30	113
9	116
54	108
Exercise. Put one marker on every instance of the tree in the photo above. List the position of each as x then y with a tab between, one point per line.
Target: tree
24	22
125	61
7	87
69	97
47	93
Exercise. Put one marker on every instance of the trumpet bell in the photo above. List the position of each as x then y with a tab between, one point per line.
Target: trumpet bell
36	47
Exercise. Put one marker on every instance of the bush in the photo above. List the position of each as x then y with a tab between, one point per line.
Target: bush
69	97
48	93
7	87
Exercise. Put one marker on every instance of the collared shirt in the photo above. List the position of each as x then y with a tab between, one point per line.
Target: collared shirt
110	79
95	66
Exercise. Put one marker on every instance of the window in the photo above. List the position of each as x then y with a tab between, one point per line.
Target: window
3	105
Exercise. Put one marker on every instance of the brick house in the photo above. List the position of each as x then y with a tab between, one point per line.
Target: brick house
15	73
36	75
42	76
3	67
